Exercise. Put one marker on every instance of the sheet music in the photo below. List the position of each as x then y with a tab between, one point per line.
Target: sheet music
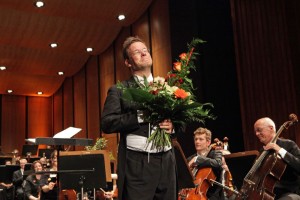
32	140
67	133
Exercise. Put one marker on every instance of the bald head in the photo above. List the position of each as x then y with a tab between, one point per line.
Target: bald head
265	121
265	130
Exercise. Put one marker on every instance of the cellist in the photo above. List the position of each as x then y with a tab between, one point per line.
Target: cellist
207	157
288	187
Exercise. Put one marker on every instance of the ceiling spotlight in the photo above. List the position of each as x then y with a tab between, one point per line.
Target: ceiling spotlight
9	91
60	73
53	45
2	68
89	49
121	17
39	93
39	4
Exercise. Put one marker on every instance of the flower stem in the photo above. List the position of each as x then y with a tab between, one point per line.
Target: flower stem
159	139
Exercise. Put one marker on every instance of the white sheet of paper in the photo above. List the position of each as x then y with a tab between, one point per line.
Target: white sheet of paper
67	133
32	140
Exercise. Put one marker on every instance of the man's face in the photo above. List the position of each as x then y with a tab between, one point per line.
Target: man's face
263	132
139	57
200	142
23	163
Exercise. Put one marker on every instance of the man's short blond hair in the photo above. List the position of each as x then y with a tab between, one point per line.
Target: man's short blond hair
200	131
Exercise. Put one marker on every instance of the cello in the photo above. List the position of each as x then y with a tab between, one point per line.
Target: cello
267	170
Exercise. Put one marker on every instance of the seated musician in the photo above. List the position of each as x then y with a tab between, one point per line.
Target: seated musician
207	157
288	186
48	182
44	162
18	179
31	185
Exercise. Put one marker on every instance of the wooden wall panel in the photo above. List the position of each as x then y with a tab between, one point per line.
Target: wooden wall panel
141	28
160	35
58	111
13	123
68	103
39	117
122	72
80	119
107	73
93	98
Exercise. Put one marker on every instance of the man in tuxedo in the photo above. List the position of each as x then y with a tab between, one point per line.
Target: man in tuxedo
18	179
143	172
288	187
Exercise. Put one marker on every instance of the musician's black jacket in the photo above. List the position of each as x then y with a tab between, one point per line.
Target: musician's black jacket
213	160
290	180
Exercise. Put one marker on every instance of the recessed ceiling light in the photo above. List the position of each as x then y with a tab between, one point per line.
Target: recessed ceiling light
39	93
2	68
53	45
9	91
121	17
89	49
60	73
39	4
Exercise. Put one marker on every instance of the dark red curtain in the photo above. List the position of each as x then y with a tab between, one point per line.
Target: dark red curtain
265	66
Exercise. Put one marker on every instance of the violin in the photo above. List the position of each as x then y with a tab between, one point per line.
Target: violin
228	184
267	170
228	180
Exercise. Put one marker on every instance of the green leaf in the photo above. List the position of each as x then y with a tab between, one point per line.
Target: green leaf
137	95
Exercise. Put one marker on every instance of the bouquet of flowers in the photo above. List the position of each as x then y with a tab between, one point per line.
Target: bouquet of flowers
170	98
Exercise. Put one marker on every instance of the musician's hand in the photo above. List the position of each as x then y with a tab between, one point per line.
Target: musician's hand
51	185
109	194
273	146
167	125
192	164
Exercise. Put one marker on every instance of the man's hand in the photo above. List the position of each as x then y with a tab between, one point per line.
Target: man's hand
142	116
167	125
273	146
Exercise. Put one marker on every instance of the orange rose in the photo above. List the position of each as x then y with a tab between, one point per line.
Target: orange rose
182	56
181	94
177	66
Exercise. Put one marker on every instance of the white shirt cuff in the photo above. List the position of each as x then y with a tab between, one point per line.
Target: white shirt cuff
140	116
282	152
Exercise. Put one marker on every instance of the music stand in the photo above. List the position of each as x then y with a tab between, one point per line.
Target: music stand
84	160
6	172
2	173
29	148
47	152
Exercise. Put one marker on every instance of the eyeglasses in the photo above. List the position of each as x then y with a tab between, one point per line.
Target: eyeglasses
139	52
